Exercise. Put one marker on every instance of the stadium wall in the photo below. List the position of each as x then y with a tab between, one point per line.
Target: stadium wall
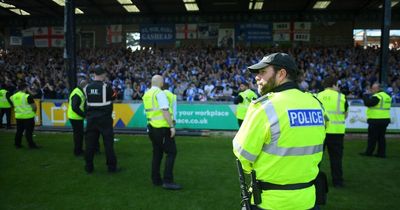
322	33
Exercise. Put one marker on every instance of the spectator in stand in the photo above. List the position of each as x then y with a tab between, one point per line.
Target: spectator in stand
128	93
227	93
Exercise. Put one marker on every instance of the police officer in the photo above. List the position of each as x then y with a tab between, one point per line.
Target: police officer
243	100
161	131
76	115
5	106
336	107
25	112
99	96
281	137
378	118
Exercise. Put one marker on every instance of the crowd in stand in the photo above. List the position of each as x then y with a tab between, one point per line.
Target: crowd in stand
194	74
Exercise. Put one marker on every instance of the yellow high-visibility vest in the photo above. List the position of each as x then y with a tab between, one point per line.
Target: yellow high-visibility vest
242	107
22	109
334	102
281	138
152	109
3	99
382	109
71	113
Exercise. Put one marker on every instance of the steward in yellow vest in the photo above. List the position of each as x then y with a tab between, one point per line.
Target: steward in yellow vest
281	138
243	100
378	118
5	106
76	115
335	106
161	131
25	112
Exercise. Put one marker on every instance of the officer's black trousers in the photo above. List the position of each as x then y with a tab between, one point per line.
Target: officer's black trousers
240	122
95	127
334	143
77	127
26	125
376	134
7	112
162	142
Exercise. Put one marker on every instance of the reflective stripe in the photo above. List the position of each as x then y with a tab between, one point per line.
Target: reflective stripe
104	99
156	118
104	93
243	152
335	112
151	110
380	108
273	147
338	103
337	122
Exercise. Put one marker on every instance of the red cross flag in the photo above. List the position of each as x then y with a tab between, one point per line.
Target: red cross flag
48	36
114	34
186	31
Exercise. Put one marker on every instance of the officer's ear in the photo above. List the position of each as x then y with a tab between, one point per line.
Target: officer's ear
281	75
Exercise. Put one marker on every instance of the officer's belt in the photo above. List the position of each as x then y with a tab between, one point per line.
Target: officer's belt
270	186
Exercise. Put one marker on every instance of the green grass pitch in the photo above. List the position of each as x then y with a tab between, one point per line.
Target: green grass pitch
52	178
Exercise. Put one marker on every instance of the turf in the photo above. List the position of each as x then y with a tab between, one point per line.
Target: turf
52	178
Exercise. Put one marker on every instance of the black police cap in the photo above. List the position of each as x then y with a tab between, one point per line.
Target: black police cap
99	71
282	60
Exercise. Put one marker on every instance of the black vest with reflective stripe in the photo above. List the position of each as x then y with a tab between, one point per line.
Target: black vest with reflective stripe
99	99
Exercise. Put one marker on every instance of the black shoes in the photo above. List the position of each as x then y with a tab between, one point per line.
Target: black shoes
114	170
80	153
370	155
89	169
171	186
380	156
338	185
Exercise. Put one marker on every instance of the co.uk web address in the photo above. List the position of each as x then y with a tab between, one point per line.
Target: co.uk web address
192	121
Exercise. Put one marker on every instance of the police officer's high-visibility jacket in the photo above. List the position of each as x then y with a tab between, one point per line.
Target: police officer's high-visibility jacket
281	138
3	99
334	105
382	109
22	109
154	114
71	114
241	108
171	100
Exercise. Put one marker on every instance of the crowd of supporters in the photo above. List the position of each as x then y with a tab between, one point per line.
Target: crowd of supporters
194	74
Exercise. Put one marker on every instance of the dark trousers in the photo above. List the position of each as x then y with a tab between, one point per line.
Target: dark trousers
26	125
334	143
240	122
7	112
94	128
162	142
77	127
376	135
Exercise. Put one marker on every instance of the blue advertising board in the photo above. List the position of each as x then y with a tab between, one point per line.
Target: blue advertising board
157	33
254	32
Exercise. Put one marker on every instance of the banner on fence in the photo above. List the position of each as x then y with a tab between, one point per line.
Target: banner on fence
195	116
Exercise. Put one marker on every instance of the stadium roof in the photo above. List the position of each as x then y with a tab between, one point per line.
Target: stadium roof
50	8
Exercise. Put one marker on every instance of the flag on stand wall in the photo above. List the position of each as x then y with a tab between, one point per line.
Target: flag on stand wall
114	34
186	31
48	36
